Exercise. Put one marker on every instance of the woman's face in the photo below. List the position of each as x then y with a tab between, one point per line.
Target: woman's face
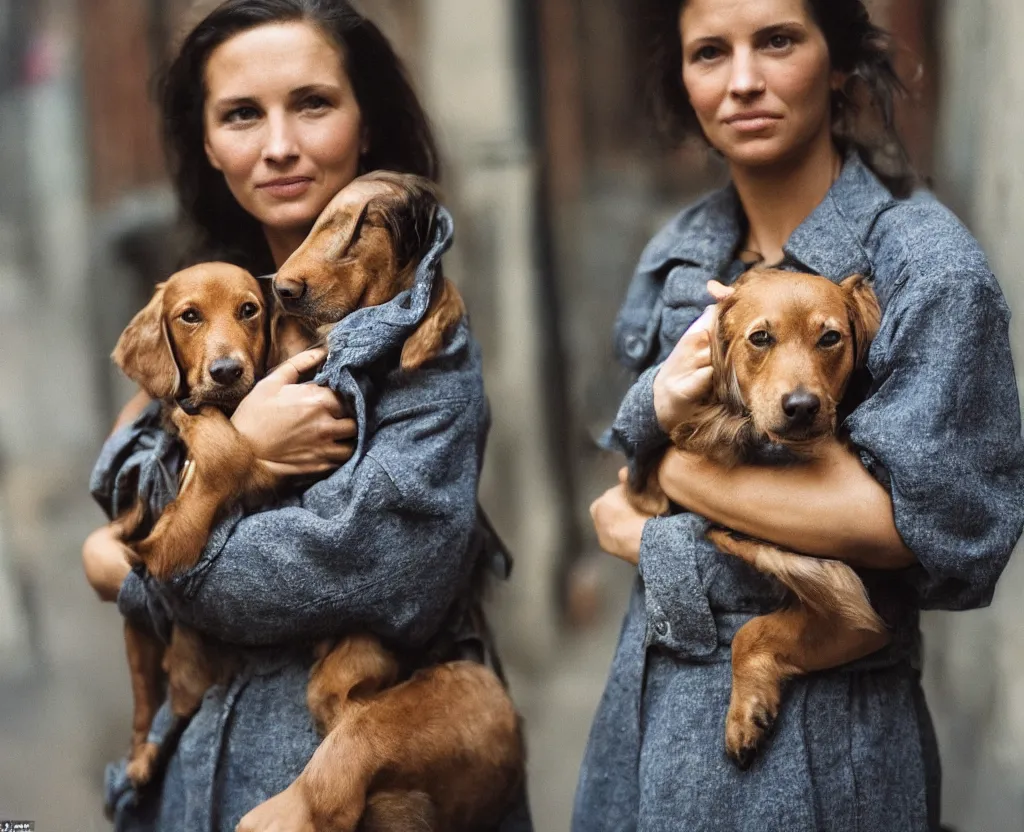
758	76
282	123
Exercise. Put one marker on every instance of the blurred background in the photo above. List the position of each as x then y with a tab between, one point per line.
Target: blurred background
556	186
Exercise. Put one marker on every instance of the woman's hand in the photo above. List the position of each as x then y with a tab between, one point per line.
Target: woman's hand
296	428
105	559
684	380
619	526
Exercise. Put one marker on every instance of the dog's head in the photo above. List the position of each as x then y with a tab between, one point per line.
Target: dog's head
786	346
201	339
362	250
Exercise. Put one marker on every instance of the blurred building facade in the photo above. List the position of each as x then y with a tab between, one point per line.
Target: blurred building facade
556	186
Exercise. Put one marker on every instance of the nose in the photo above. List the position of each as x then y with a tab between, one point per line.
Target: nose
800	406
289	289
746	80
226	371
280	147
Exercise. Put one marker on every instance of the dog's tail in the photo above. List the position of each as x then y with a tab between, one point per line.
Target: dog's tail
828	587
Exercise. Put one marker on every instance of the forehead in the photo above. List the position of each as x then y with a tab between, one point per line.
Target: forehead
787	297
212	282
707	18
271	58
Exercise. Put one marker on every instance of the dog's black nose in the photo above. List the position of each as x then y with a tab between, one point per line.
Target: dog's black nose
226	371
289	289
800	406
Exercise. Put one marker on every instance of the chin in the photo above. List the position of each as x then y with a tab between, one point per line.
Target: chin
758	153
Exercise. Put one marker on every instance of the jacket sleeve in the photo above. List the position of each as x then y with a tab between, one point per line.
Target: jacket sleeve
139	461
381	545
942	430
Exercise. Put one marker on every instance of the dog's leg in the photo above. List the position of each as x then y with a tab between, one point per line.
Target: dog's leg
192	667
470	761
224	468
770	649
145	654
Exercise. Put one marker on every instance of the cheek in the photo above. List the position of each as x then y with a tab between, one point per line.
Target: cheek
335	142
235	154
705	91
804	87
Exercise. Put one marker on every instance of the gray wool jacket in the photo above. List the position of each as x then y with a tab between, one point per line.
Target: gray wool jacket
382	546
853	748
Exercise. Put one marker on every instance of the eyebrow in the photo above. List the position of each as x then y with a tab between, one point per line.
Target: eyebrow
298	92
760	33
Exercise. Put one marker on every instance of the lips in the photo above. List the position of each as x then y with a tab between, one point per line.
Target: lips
287	187
753	121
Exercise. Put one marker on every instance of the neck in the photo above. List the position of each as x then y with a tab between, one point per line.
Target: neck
284	242
778	198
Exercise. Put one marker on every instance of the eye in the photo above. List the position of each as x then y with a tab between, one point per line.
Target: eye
248	310
830	339
761	339
241	114
780	42
706	53
315	102
191	316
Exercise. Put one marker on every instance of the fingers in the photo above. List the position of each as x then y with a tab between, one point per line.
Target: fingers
719	291
330	402
291	370
341	430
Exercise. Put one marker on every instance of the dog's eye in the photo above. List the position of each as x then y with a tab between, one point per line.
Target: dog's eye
248	310
761	339
191	316
830	339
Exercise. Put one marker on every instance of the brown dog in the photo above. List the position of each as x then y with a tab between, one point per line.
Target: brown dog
784	350
442	750
201	342
394	754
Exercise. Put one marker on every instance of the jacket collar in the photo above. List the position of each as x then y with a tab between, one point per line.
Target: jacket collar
830	242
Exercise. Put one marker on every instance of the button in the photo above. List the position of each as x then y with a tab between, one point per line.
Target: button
636	347
661	627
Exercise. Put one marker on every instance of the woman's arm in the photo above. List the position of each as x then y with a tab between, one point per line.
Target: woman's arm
381	545
829	507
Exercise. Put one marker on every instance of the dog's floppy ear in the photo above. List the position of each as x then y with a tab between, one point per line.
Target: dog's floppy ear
445	311
722	375
865	314
144	353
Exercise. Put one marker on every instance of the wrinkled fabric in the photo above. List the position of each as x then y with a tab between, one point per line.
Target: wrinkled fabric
853	748
382	546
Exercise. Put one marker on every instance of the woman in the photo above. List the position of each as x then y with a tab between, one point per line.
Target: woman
928	503
269	109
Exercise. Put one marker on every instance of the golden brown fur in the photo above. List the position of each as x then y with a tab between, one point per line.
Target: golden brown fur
443	750
396	756
783	351
201	343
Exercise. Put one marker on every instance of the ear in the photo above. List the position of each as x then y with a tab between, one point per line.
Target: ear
865	314
143	351
721	371
344	230
445	311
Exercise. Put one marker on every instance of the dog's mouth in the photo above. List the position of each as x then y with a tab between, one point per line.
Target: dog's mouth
225	398
315	310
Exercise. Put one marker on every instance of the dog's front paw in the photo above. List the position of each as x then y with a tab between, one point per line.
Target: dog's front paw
750	723
285	812
142	764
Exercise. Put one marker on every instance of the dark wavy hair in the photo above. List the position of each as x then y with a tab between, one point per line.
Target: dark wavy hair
862	111
401	138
